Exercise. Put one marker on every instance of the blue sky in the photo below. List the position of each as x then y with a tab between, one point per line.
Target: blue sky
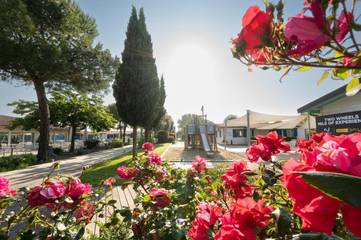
191	47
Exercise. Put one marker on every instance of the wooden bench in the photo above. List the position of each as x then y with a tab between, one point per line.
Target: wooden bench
124	199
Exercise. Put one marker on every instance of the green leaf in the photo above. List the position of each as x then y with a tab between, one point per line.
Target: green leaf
341	73
304	68
323	77
283	221
353	87
343	187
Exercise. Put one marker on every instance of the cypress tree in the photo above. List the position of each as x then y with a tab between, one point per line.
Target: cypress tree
136	87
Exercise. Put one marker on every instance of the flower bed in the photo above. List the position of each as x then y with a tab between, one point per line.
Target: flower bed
298	198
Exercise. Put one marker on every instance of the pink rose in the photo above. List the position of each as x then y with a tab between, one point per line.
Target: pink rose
147	147
307	32
5	188
342	24
160	197
76	188
47	193
154	159
127	172
199	164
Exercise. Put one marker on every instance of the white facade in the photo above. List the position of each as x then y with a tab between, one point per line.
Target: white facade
346	104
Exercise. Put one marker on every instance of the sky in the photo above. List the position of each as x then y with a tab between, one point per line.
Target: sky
191	43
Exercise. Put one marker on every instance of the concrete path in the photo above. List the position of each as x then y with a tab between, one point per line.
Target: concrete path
34	175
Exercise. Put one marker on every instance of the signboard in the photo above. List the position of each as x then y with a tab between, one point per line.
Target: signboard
339	123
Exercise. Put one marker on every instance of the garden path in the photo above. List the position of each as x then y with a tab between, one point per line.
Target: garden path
34	175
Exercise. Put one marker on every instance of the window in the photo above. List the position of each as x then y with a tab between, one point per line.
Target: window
239	133
236	133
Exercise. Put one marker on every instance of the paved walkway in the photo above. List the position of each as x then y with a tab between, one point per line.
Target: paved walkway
34	175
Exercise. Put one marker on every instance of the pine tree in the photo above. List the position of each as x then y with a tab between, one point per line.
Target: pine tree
136	87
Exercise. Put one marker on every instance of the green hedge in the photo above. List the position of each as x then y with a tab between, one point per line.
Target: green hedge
9	163
90	144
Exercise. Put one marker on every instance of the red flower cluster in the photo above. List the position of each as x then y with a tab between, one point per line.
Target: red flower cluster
207	215
266	146
245	218
235	179
147	147
199	164
5	188
311	33
84	212
160	197
331	154
47	193
255	33
127	172
51	191
76	188
154	159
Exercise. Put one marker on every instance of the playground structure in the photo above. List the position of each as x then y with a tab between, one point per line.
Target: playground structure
201	136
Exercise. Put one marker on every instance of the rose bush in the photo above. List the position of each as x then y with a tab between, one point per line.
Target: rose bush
270	200
322	35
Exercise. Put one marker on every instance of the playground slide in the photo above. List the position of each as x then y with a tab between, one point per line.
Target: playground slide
205	144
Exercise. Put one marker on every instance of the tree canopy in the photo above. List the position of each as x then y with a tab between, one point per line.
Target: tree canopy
136	87
50	44
67	109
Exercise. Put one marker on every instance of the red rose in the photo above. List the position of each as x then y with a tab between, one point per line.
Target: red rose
250	214
127	172
154	159
147	147
256	27
199	164
84	212
228	232
76	188
160	197
317	210
235	179
267	146
207	215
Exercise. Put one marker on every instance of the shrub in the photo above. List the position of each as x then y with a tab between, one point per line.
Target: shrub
163	136
116	143
90	144
58	151
17	162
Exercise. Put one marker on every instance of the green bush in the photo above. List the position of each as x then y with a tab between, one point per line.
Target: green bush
90	144
17	162
116	143
163	136
58	151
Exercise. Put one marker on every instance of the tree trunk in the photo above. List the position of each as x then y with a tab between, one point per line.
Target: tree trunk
72	143
44	121
147	135
134	142
120	131
124	129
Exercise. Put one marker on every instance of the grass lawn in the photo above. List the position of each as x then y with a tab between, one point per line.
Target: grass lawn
95	174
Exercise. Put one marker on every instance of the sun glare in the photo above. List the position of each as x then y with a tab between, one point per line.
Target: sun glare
191	62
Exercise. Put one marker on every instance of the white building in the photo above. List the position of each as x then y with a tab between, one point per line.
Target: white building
335	112
235	130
